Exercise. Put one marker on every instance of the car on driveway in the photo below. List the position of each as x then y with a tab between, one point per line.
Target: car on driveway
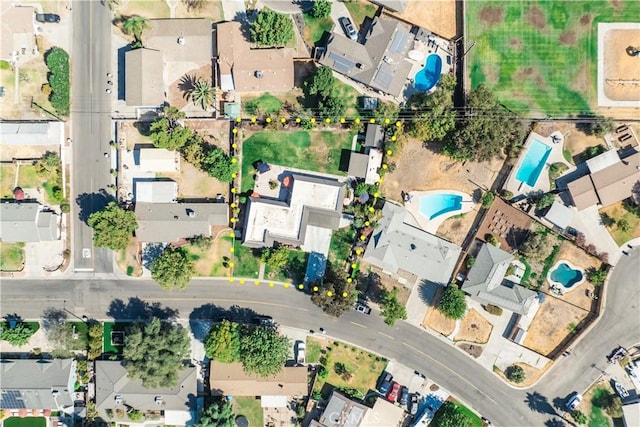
573	400
47	17
413	405
403	397
385	383
348	28
300	352
392	396
361	308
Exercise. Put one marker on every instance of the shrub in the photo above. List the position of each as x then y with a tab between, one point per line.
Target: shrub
492	240
321	9
453	302
46	89
487	199
65	207
471	260
493	309
135	415
57	61
515	374
506	194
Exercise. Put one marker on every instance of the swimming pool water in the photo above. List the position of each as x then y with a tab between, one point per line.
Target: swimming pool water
533	163
427	78
434	205
566	275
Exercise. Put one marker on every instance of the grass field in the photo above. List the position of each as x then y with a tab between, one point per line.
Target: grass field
265	104
11	256
25	422
314	28
250	408
317	151
540	56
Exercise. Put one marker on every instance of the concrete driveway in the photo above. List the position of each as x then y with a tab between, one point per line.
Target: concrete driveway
42	256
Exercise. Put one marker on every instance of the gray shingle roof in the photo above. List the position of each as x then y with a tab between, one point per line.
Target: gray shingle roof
27	222
374	136
29	383
358	163
400	244
31	133
485	282
112	380
144	85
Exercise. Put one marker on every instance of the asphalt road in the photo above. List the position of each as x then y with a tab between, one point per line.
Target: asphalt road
91	124
430	355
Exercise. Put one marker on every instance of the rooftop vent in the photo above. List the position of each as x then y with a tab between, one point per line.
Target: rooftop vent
412	246
181	41
55	394
158	400
119	400
191	213
258	74
359	65
175	217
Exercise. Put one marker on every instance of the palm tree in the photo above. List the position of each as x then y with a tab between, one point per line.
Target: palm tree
203	94
135	25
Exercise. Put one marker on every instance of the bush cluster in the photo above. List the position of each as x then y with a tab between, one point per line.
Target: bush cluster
57	61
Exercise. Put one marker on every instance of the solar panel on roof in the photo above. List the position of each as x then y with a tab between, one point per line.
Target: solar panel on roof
11	399
340	63
399	41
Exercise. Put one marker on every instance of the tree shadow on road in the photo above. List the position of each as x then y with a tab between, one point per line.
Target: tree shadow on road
92	202
201	318
539	403
137	309
554	422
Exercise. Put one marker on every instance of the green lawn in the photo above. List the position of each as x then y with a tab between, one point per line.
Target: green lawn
11	256
540	55
341	242
25	422
250	408
349	97
108	327
314	28
313	351
475	420
294	271
359	9
265	104
618	212
317	150
246	264
7	180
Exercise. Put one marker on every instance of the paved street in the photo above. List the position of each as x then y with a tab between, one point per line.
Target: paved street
436	358
91	123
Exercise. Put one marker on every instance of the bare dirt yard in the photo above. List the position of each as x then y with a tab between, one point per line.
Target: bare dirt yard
127	259
531	374
474	328
575	141
437	16
31	76
580	258
196	184
178	93
211	9
455	229
436	321
373	284
621	67
555	320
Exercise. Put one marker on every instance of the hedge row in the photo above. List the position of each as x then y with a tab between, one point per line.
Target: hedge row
57	61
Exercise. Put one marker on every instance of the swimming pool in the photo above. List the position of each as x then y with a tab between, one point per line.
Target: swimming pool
566	275
427	78
434	205
533	163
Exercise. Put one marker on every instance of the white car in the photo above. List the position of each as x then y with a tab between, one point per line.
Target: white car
573	401
300	352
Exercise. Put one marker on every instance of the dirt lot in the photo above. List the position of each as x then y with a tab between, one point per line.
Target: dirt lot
373	283
552	324
436	321
178	97
455	229
620	66
196	184
578	258
212	9
437	16
474	328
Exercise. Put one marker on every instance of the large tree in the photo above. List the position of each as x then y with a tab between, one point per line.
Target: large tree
264	351
336	294
112	226
536	247
17	336
219	165
321	82
321	9
153	352
392	309
172	269
450	416
219	413
435	116
485	130
223	342
168	131
453	303
272	29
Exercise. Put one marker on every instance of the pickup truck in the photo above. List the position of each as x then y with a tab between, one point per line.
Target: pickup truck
361	308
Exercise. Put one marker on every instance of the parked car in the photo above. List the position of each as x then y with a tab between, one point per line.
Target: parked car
361	308
263	320
300	352
392	396
486	422
573	400
413	406
47	17
385	383
348	28
404	395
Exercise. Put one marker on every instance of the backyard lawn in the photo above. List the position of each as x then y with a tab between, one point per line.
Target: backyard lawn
618	212
540	55
265	104
341	241
108	328
360	9
11	256
250	408
25	422
317	151
314	28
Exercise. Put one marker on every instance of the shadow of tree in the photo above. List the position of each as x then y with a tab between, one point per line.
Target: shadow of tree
13	318
92	202
201	318
539	403
554	422
428	291
151	252
137	309
187	85
52	316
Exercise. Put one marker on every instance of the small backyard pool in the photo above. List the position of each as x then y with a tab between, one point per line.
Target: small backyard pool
428	77
566	275
533	163
434	205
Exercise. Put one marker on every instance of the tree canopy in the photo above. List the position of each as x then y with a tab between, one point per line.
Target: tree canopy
392	309
172	269
134	26
223	342
263	351
536	247
154	352
321	9
453	303
450	416
435	116
168	132
515	374
219	165
219	413
112	226
271	29
335	295
17	336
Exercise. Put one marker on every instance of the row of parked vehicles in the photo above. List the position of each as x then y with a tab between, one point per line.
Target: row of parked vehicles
394	392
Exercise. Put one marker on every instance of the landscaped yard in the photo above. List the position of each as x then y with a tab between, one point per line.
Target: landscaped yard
245	263
11	256
250	408
25	422
540	55
265	104
314	28
475	420
359	369
342	240
317	151
112	327
293	272
211	262
360	9
618	212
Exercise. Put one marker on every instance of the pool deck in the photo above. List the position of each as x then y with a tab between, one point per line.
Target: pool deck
559	286
556	156
442	48
431	226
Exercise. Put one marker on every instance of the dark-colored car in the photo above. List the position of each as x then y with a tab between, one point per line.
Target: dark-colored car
413	407
404	395
361	308
47	17
263	320
392	396
348	28
385	383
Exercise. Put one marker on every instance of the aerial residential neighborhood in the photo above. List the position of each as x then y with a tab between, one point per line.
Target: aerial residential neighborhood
319	213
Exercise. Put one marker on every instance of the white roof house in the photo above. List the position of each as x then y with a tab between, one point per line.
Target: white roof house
27	222
156	191
560	215
158	160
31	133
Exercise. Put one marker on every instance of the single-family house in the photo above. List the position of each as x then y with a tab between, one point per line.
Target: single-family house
380	61
144	84
394	5
305	217
31	133
27	222
365	164
399	247
157	160
610	180
37	384
155	191
114	389
17	36
485	282
341	412
243	69
230	379
170	222
560	215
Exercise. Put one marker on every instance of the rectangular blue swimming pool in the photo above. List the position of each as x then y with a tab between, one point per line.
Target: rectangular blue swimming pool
533	163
